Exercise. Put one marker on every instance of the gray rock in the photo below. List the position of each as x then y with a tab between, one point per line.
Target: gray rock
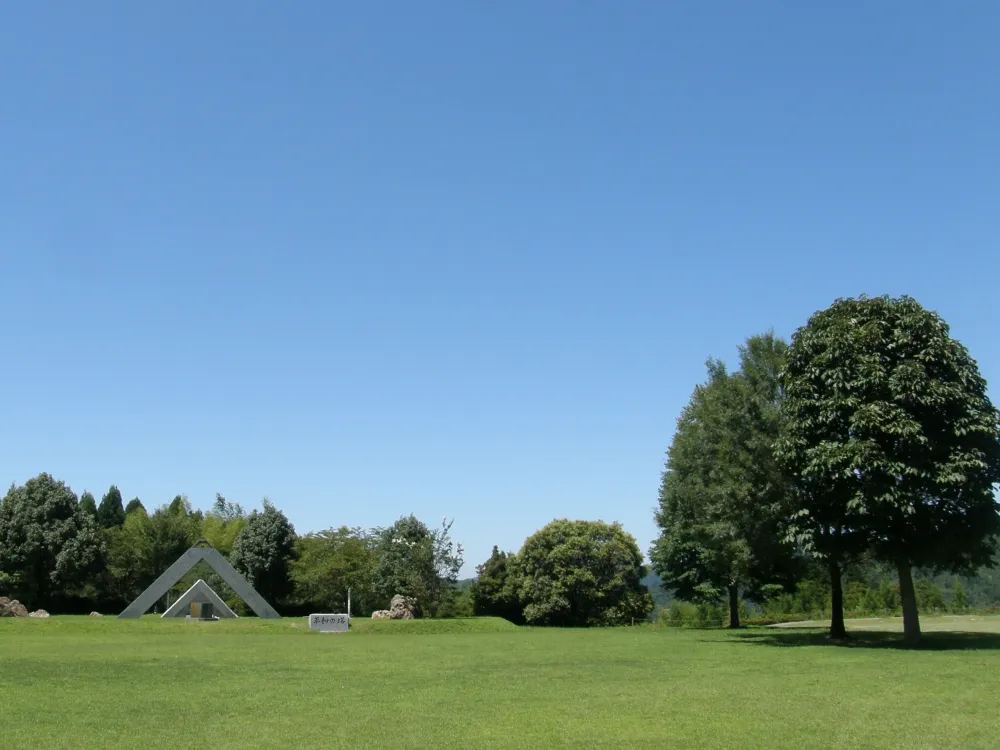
403	608
96	614
12	608
380	614
39	613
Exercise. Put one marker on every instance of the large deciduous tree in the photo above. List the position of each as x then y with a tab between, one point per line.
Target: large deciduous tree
892	441
111	511
330	563
415	561
264	550
47	542
723	496
580	573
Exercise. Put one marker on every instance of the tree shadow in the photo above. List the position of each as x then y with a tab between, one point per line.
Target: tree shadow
931	641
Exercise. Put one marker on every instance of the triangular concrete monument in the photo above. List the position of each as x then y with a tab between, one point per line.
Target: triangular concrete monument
202	593
201	550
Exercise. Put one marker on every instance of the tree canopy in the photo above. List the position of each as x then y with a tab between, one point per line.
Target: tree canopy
723	496
581	573
330	563
892	441
415	561
263	551
494	592
88	505
111	511
47	541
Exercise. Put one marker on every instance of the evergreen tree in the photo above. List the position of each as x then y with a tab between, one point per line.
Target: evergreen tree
264	550
111	511
493	593
88	505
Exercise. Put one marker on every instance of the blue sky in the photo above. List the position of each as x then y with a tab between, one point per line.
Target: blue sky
459	258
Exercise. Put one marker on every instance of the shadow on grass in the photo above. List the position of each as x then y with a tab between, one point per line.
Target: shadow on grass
933	641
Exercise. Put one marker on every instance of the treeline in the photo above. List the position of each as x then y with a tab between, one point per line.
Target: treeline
74	555
841	462
870	590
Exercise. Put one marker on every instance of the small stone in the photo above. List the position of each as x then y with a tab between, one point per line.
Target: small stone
95	614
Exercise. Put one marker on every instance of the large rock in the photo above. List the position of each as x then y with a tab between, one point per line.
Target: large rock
39	613
12	608
403	608
380	614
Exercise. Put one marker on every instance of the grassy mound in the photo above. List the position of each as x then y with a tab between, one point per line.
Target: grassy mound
433	627
152	625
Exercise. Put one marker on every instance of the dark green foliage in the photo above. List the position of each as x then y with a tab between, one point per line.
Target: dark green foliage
959	599
132	554
892	442
723	496
263	552
458	604
580	573
134	504
47	541
111	511
88	505
414	561
493	593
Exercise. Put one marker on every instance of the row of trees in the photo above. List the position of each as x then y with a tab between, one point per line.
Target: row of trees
72	554
869	438
569	573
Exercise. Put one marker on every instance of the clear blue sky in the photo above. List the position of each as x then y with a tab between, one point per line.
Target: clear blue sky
459	258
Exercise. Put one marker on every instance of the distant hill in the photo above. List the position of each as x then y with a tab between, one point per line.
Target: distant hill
660	597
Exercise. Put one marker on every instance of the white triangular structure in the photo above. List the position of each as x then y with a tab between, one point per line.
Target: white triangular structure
202	593
201	550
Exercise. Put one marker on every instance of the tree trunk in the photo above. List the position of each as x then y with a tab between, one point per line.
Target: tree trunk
837	629
734	606
911	619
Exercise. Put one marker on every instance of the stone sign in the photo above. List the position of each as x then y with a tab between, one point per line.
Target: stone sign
329	623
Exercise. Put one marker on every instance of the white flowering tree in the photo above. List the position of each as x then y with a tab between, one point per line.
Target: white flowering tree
413	560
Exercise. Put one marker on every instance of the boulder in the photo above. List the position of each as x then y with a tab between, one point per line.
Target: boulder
403	608
39	613
96	614
12	608
380	614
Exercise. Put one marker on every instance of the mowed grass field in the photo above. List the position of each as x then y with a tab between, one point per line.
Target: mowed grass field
77	682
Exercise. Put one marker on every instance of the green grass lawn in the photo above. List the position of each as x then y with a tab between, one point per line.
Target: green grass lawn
98	682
